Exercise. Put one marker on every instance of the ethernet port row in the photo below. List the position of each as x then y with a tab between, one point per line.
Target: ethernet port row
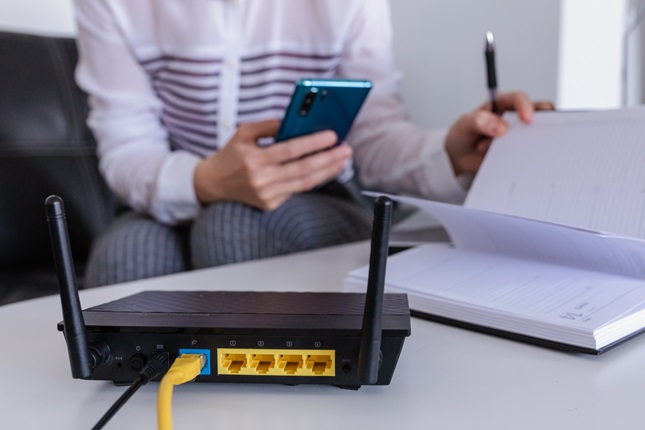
276	362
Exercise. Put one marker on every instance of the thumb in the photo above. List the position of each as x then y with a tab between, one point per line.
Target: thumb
254	131
488	124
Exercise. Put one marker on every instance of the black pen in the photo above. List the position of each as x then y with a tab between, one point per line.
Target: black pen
491	75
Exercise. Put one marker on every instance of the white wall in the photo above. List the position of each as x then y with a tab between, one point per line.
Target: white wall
590	69
568	51
50	17
633	91
439	47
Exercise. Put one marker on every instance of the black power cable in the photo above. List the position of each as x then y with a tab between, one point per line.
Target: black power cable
155	366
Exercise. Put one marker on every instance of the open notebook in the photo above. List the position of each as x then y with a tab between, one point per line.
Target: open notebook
549	246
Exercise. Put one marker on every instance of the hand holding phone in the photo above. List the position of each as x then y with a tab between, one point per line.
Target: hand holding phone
323	104
264	177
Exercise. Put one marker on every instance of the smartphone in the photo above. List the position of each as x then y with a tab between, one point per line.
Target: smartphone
323	104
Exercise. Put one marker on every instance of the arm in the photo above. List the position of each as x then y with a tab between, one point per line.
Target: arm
134	152
393	154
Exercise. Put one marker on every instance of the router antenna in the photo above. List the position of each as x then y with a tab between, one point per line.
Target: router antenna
74	325
369	355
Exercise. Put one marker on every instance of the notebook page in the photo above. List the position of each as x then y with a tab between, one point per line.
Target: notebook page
495	233
583	169
461	284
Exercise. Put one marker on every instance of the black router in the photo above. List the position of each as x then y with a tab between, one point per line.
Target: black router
341	339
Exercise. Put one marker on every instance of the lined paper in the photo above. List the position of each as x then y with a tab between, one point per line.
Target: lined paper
580	169
527	297
495	233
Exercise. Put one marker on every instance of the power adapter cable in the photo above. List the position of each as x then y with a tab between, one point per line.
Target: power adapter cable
153	368
185	368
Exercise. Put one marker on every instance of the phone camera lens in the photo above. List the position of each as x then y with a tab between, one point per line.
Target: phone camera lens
307	102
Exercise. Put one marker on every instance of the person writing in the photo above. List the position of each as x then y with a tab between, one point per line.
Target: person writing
182	92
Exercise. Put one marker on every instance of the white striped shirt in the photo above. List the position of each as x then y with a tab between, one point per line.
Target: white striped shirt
170	80
191	92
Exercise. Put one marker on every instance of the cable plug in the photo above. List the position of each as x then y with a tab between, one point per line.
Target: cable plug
153	368
185	368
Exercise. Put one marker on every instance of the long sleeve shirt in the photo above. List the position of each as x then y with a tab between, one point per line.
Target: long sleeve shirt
170	80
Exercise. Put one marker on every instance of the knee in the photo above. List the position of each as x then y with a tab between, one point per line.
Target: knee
221	233
136	247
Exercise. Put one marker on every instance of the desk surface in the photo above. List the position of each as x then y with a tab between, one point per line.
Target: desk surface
447	378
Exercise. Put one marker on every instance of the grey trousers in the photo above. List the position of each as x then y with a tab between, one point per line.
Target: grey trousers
135	246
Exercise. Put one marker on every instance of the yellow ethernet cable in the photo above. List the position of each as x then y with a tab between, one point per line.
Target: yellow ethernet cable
185	368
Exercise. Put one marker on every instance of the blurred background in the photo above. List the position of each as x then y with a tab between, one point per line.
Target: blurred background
582	54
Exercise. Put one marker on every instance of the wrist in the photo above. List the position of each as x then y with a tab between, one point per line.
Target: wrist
457	170
205	183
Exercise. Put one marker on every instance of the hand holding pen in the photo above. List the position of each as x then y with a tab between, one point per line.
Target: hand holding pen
491	80
469	137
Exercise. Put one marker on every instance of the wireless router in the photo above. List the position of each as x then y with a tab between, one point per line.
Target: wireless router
341	339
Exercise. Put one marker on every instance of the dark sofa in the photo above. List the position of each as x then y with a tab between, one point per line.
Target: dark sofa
45	148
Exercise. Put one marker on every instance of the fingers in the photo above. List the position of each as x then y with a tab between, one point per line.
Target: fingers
519	102
248	136
470	137
327	163
281	181
266	177
306	173
485	123
252	132
299	147
543	105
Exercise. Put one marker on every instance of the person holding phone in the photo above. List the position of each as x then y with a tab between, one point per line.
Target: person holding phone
183	93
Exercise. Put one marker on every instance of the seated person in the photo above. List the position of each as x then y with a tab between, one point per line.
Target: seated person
181	92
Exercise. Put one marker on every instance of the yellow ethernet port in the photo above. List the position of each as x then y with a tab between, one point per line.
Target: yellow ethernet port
276	362
233	362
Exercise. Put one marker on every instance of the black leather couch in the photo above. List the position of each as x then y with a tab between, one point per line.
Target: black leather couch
45	148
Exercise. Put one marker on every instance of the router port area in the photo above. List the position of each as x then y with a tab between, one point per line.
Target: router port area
207	352
276	362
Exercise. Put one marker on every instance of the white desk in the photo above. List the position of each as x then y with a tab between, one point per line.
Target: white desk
447	378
